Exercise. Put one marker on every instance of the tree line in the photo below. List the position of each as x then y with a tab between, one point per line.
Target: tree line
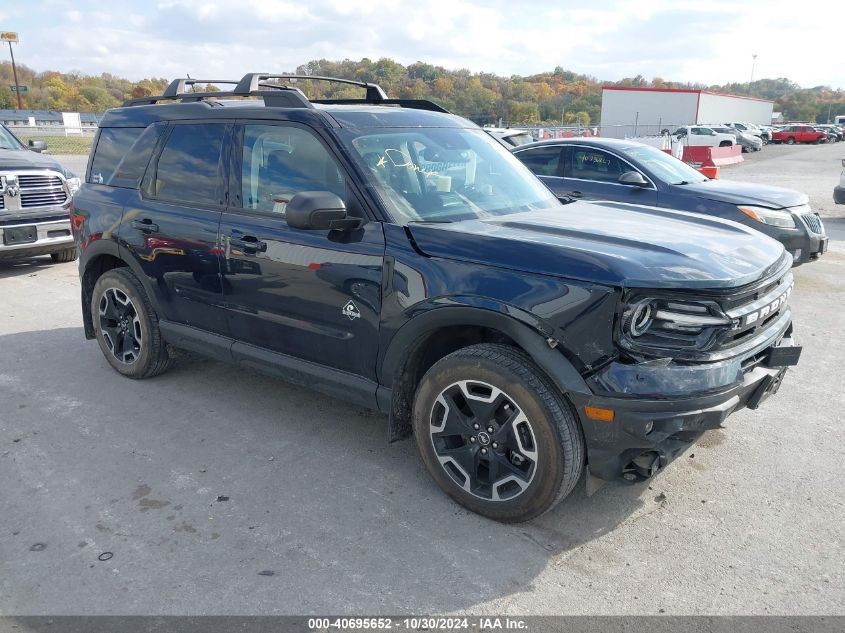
551	98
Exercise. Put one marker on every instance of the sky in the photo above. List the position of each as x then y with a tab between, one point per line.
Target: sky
691	41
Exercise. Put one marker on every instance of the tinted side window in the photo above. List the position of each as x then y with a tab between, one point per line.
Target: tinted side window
543	161
280	161
112	145
594	164
131	169
189	168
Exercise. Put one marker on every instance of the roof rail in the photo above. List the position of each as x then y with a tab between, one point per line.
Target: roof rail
277	95
252	81
415	104
177	86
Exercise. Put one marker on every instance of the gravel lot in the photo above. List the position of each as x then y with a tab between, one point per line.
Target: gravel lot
201	479
813	169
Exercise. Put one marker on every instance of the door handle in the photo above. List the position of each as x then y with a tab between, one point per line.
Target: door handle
145	226
248	244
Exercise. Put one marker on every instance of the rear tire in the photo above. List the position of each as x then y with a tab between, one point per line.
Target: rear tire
63	257
126	326
528	450
790	141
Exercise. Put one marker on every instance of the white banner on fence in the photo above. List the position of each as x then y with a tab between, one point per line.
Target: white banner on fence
72	123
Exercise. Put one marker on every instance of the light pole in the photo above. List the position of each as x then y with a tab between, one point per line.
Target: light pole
753	61
13	38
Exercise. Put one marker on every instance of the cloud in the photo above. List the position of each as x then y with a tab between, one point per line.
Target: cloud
682	41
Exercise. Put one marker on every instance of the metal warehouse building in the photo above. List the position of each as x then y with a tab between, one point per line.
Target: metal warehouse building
642	111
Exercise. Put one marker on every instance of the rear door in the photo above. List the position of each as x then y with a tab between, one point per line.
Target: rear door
311	295
170	226
593	174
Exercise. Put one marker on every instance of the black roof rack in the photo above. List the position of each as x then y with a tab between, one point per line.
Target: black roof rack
252	81
177	86
277	95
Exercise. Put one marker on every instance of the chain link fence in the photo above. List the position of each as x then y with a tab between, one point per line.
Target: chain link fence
634	130
78	141
60	140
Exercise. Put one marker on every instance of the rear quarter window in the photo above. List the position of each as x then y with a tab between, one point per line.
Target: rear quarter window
112	145
131	168
189	166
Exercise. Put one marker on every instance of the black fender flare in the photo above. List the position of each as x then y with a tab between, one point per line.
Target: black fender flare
93	251
533	335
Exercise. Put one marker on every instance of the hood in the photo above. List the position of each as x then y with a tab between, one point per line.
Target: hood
746	193
25	159
611	243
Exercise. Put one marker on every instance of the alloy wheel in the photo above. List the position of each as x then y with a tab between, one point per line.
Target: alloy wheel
483	440
120	325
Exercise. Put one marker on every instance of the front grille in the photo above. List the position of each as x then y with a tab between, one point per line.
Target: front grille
814	223
35	190
757	312
31	199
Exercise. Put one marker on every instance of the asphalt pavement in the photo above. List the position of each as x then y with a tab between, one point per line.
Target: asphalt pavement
215	490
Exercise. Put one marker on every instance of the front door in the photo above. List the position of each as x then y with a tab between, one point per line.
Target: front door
312	295
593	174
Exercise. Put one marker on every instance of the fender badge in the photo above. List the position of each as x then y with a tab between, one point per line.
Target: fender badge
351	310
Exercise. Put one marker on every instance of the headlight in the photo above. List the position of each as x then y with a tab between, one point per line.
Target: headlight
73	185
639	317
654	323
783	219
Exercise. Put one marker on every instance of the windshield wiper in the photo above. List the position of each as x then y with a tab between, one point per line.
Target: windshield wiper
429	221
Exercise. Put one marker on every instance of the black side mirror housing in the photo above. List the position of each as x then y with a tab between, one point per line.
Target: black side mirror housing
37	146
633	178
318	211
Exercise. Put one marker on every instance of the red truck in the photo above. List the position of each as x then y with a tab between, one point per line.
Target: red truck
792	134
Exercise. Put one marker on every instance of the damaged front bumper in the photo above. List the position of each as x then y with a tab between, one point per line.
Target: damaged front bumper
659	409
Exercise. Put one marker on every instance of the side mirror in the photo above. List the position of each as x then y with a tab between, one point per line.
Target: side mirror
37	146
633	178
318	211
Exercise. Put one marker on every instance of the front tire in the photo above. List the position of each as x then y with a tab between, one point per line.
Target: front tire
790	141
495	434
126	326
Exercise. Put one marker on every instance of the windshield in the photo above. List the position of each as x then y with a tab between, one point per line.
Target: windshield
665	167
8	140
445	174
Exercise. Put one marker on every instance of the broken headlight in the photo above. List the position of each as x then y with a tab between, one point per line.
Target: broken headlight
664	326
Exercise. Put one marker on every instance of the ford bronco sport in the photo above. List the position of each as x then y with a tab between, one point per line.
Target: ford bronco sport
35	197
394	255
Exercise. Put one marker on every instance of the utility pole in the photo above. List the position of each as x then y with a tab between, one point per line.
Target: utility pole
13	38
750	81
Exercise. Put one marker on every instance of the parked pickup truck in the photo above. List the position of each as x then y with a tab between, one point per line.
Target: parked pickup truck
35	199
700	136
799	134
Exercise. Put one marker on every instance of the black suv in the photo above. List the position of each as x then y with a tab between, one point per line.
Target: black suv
394	255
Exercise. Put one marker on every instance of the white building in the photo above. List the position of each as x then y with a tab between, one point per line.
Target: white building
642	111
